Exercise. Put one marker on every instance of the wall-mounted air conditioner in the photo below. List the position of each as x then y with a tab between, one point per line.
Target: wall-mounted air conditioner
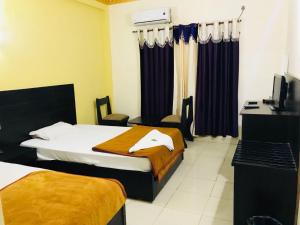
155	16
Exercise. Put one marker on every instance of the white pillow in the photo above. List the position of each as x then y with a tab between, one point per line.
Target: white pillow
53	131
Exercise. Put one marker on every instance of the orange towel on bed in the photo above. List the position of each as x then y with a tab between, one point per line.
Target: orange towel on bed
53	198
160	157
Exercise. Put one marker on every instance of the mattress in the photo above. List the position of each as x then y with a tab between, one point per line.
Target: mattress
11	173
76	146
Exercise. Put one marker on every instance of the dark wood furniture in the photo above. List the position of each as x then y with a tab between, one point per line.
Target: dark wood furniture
144	122
22	111
138	185
265	182
265	125
111	119
119	218
19	155
182	122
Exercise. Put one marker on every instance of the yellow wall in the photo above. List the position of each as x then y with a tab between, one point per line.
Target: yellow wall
51	42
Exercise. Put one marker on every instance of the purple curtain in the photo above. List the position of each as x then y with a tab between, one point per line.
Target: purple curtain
217	89
157	81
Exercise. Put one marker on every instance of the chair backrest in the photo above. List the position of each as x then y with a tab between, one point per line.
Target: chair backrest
99	103
187	110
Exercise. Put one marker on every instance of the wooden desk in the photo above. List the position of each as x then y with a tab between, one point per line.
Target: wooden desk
265	125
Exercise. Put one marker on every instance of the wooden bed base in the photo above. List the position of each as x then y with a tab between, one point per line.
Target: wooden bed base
119	218
138	185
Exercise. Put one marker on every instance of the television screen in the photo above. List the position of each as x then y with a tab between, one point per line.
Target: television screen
279	91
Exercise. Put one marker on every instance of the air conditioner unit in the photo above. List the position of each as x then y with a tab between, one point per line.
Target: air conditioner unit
155	16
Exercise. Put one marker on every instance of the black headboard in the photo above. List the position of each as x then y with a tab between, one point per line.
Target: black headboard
22	111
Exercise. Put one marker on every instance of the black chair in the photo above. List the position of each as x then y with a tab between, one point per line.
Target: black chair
111	119
182	122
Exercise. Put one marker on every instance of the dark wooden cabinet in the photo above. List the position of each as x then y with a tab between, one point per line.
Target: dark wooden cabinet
265	182
265	125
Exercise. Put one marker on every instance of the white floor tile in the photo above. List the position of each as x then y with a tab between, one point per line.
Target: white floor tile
215	149
231	151
209	162
204	172
174	181
223	189
164	196
182	170
228	161
227	172
173	217
219	208
197	186
188	202
200	192
214	221
227	140
223	178
128	201
142	213
190	157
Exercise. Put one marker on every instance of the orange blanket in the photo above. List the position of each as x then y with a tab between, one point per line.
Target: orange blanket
160	157
52	198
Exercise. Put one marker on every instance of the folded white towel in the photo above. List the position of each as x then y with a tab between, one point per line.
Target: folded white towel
152	139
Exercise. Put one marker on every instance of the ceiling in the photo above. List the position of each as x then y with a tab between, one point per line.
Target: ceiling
111	2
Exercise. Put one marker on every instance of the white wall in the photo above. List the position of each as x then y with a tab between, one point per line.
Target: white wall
293	39
262	43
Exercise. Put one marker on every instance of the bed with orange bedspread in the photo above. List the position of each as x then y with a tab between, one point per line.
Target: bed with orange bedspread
47	197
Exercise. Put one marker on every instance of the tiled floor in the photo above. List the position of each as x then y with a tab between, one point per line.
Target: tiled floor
199	193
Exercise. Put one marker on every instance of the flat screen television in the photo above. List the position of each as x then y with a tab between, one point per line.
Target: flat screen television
279	92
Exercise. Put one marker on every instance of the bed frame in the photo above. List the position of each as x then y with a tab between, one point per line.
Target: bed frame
119	218
22	111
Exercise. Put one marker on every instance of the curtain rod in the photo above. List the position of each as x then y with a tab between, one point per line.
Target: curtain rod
207	24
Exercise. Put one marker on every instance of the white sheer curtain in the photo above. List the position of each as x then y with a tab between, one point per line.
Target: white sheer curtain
186	52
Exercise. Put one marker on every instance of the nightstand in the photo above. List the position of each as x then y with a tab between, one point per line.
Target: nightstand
17	154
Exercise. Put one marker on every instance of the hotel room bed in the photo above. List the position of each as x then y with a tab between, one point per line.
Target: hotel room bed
76	146
35	196
22	111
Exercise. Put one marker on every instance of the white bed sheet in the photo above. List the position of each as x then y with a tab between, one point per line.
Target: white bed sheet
76	146
10	173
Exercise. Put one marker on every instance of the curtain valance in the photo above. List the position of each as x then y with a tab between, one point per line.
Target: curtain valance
218	32
185	32
198	32
203	33
161	37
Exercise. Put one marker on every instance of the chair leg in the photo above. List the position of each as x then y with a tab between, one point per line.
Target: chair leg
187	133
185	144
189	137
